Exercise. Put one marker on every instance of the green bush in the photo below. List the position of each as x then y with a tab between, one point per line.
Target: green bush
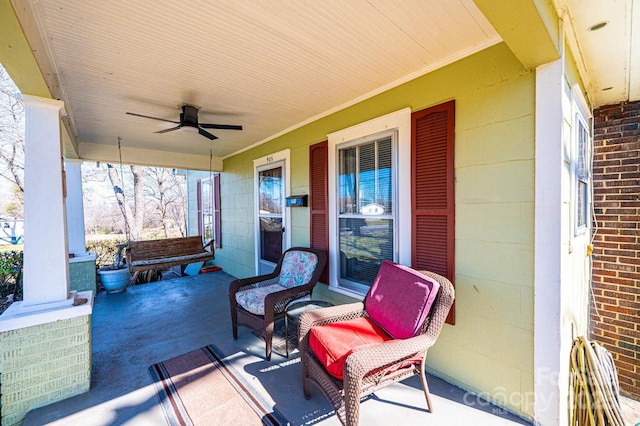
11	268
105	250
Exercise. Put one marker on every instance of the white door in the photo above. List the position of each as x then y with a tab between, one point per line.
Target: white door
271	217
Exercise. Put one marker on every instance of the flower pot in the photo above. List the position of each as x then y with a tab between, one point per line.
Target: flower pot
114	280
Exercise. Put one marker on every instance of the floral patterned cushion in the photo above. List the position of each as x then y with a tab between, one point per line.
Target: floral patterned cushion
297	268
252	300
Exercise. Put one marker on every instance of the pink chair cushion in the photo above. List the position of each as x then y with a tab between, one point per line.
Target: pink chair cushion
400	299
333	343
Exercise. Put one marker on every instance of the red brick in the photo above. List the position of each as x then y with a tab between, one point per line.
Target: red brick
624	358
621	239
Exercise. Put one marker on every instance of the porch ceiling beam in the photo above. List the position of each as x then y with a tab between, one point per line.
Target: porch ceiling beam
528	27
144	157
17	57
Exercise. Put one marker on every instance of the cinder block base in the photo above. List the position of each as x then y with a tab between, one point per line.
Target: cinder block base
82	273
43	364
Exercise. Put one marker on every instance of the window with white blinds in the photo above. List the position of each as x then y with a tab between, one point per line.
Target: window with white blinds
366	221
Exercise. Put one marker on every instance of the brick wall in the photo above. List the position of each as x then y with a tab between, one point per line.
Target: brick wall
615	311
43	364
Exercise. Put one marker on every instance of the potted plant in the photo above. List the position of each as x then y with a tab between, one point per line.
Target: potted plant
115	277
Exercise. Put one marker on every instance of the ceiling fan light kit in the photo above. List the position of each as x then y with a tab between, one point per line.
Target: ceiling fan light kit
189	122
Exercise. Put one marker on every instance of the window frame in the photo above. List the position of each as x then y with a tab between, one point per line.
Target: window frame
398	122
201	211
346	283
581	118
259	164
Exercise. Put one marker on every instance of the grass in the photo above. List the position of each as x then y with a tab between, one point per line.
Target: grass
11	247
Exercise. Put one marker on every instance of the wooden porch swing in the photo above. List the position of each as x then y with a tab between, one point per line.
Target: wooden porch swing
153	254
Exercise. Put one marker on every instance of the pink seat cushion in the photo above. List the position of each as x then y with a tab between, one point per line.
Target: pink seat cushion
333	343
400	299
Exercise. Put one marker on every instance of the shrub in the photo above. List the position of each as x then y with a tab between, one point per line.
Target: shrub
105	250
11	268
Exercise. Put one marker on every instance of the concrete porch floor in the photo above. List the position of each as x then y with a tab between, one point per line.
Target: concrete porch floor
150	323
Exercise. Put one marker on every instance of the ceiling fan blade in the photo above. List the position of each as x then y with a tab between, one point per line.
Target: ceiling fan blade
220	126
169	130
206	134
153	118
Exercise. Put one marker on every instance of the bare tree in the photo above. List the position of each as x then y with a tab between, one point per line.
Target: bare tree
133	218
145	198
11	138
166	191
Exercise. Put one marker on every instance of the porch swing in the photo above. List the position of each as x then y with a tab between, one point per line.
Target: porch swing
146	255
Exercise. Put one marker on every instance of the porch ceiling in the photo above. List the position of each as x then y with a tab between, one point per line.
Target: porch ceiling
610	54
269	66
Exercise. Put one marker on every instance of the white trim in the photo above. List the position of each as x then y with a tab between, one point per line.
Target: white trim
206	180
283	157
400	122
579	112
19	315
548	242
75	207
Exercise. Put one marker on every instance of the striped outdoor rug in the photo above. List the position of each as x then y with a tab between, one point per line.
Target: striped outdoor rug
201	388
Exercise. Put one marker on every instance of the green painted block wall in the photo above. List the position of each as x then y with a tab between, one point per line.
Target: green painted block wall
490	349
82	276
43	364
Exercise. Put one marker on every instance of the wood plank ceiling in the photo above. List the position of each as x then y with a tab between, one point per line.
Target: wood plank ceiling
274	65
267	65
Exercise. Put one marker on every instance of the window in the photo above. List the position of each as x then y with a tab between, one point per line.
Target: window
209	221
581	162
389	185
205	209
582	175
365	209
369	209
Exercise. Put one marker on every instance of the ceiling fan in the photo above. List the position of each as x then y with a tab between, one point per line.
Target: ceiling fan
189	120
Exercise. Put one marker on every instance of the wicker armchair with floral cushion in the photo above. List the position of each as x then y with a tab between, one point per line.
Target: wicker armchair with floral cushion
256	302
350	351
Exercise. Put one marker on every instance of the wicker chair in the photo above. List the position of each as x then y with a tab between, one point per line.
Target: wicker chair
256	302
374	367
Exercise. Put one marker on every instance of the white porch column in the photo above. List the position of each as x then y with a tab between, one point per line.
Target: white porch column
548	244
75	211
46	258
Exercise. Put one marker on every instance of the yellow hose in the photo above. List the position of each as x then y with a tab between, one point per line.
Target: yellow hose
594	396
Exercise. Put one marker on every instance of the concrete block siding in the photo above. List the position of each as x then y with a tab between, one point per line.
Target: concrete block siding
43	364
82	274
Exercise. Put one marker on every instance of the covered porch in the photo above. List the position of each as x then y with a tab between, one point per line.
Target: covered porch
154	322
295	78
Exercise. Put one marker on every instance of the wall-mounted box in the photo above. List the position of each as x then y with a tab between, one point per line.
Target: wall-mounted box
297	201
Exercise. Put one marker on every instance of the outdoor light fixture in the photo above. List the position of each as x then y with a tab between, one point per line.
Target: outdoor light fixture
599	25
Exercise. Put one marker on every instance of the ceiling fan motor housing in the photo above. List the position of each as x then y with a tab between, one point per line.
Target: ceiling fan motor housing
189	116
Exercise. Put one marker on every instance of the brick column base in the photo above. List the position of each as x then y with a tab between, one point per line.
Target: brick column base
43	364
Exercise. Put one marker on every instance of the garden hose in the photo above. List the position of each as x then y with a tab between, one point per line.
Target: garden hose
594	394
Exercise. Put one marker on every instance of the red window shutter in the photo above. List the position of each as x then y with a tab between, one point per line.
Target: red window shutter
319	200
199	210
433	204
217	222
